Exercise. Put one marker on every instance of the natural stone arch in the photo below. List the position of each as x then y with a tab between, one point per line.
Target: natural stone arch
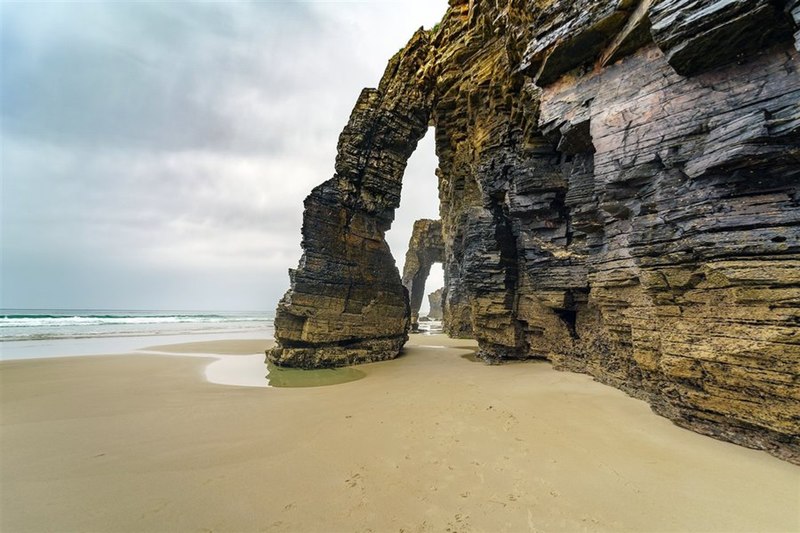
607	203
425	248
346	302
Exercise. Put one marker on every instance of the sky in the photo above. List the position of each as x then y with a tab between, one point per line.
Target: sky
155	155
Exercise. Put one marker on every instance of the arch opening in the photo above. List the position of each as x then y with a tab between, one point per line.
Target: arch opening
425	248
434	286
419	196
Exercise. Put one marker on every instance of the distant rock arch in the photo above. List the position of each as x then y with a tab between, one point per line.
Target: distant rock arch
618	187
425	248
435	303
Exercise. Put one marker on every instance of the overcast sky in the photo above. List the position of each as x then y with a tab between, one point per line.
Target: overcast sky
155	155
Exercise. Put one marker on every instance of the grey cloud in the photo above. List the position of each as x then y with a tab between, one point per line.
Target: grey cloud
137	202
157	75
149	147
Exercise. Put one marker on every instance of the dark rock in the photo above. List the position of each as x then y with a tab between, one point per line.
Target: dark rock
618	206
793	9
698	36
570	34
435	302
424	249
347	303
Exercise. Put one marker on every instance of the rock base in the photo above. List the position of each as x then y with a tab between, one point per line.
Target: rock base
334	355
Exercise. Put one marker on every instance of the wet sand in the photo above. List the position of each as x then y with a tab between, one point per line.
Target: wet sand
427	442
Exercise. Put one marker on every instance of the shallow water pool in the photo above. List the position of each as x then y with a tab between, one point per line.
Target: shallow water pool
252	371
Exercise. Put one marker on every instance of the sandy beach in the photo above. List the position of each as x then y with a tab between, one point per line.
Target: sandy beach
428	442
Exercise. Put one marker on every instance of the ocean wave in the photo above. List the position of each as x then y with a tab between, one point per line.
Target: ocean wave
60	335
55	321
19	325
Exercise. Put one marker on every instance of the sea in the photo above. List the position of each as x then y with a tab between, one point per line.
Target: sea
36	333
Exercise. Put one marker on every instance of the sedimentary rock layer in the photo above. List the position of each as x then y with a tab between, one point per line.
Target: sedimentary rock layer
435	303
620	194
424	249
346	303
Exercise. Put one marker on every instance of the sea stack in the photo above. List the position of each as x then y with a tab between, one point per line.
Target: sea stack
346	303
435	304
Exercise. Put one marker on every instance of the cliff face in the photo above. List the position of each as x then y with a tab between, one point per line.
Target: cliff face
620	194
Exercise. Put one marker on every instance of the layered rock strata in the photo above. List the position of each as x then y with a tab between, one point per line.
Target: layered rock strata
793	8
620	194
435	304
346	303
424	249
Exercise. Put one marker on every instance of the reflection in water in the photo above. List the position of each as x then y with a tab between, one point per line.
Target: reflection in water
294	377
473	356
252	371
430	327
242	370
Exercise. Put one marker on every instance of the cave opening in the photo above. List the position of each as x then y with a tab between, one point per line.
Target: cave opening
570	318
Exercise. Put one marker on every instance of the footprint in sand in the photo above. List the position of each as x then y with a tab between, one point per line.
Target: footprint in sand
510	421
460	523
353	481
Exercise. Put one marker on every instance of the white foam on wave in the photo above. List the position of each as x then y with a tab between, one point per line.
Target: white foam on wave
20	327
29	322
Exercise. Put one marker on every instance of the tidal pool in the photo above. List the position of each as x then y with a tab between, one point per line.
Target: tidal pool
252	371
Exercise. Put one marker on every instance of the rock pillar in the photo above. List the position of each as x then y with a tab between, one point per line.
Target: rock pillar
424	249
346	303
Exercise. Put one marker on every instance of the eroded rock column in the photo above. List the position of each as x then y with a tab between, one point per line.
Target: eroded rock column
424	249
435	302
346	303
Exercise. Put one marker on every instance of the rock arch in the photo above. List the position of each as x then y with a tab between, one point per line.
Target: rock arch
425	248
618	195
346	302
